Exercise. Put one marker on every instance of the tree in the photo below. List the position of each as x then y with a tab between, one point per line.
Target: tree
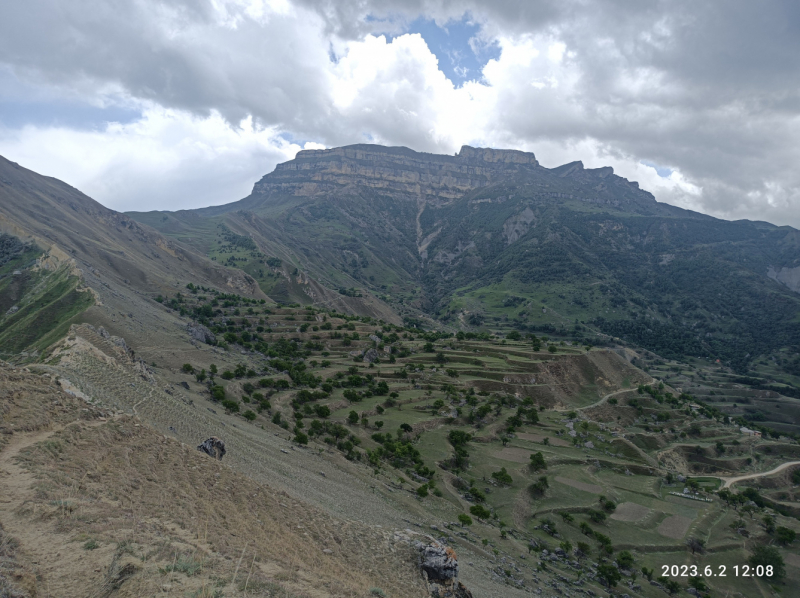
625	559
609	575
784	535
766	556
249	415
379	424
187	368
696	545
566	546
353	417
422	491
300	437
699	584
539	487
769	523
480	512
584	549
201	376
552	349
670	585
537	461
502	477
406	428
464	519
597	516
648	573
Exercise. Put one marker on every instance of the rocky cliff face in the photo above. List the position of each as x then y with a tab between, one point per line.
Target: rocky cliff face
395	169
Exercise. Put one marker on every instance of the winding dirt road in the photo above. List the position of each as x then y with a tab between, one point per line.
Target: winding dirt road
727	482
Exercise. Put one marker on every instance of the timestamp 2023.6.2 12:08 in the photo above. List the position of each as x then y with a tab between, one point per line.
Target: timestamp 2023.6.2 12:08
718	571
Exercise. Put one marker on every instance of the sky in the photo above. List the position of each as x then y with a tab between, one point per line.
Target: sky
174	104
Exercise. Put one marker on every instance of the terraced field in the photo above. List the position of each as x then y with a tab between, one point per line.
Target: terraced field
395	426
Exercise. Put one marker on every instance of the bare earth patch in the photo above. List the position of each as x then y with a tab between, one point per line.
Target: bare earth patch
793	560
674	527
593	488
516	455
630	511
537	438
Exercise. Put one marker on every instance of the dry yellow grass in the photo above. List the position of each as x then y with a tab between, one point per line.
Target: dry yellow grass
105	505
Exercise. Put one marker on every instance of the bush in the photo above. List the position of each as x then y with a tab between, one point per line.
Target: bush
300	437
538	462
480	512
502	477
766	556
353	417
230	406
187	368
422	491
464	519
249	415
784	535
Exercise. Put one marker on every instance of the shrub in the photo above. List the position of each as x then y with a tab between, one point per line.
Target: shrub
230	406
538	462
187	368
249	415
465	519
480	512
502	477
422	491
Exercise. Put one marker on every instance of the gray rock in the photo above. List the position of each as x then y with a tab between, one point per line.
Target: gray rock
200	333
439	562
370	356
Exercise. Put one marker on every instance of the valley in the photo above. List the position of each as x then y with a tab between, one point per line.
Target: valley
576	388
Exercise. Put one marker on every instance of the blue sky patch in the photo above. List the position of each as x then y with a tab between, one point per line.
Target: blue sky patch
459	59
662	171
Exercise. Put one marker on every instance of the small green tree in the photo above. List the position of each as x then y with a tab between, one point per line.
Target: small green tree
464	519
625	559
249	415
670	585
353	417
187	368
502	477
480	512
784	535
422	491
537	461
609	575
766	556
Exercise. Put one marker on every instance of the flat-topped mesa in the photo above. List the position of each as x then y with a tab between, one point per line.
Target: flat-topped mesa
487	154
394	169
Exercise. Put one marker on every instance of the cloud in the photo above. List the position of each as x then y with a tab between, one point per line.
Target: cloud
168	160
217	86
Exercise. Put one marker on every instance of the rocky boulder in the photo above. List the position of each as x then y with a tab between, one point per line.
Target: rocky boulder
439	566
370	356
200	333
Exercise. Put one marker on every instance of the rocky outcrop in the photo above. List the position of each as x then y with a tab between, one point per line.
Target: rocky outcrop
789	277
200	333
370	356
394	169
439	566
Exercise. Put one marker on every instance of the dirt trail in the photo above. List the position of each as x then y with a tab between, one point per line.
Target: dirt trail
727	482
600	402
50	558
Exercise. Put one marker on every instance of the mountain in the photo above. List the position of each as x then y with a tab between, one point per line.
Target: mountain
491	240
352	332
62	255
